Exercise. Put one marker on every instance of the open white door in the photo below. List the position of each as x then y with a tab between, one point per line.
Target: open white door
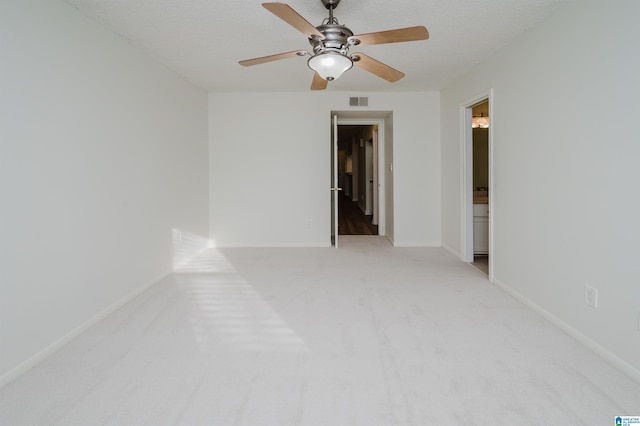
376	184
334	181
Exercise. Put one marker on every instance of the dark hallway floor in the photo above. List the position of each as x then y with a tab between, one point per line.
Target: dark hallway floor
481	261
351	220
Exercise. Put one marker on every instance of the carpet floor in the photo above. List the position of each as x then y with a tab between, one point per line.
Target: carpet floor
366	334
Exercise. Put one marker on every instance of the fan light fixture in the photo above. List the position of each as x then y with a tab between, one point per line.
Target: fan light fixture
330	41
480	122
330	65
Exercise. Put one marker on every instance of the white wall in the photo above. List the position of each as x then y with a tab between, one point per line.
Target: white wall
270	166
566	171
103	154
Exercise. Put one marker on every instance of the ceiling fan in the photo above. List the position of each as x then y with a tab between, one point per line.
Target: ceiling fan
330	43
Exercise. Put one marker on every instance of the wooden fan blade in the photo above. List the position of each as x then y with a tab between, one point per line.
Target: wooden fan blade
391	36
271	58
367	63
293	18
318	82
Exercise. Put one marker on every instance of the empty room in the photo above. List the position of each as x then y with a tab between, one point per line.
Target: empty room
171	249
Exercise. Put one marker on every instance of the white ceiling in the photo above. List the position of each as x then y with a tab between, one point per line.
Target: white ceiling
203	40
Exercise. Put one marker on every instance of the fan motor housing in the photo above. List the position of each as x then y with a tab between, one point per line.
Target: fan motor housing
336	37
331	3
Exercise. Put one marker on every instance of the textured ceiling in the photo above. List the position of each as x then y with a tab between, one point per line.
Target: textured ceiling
203	40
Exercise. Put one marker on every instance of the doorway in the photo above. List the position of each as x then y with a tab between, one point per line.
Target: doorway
477	183
361	140
356	202
480	165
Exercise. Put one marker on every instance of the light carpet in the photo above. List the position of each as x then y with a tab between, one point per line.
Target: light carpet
366	334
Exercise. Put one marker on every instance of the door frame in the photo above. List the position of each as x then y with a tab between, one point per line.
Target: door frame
344	119
334	181
466	177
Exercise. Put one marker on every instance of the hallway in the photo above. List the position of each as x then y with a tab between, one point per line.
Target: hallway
351	220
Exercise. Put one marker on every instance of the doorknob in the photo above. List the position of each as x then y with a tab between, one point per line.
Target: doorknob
336	189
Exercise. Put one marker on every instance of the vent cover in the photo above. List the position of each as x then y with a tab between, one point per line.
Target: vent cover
358	101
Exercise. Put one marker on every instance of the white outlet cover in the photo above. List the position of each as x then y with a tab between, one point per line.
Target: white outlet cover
591	296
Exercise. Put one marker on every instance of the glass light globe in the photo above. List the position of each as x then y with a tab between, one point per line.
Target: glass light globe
330	65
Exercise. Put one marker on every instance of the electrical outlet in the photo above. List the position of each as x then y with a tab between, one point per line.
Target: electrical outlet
591	296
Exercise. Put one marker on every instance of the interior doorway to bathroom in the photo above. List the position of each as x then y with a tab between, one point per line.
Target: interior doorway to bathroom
480	164
477	181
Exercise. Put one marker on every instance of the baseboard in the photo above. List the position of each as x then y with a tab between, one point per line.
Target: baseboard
587	342
55	346
272	245
452	251
390	238
414	244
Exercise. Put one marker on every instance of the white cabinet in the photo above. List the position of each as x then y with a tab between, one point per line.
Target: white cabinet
481	228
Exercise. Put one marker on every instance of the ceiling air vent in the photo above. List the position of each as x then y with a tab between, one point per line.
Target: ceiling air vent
359	102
